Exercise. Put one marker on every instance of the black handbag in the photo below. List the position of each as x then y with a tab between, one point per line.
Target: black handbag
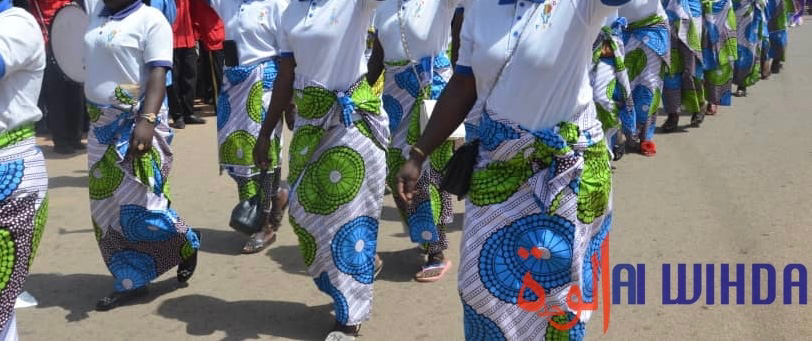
248	216
459	169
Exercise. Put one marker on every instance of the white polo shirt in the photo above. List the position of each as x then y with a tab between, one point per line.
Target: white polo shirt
637	10
121	48
22	63
253	25
547	81
328	39
427	23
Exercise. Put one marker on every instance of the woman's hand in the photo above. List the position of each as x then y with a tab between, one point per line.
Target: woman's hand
261	151
407	179
141	139
290	115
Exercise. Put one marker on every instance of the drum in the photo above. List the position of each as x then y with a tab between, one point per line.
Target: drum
67	37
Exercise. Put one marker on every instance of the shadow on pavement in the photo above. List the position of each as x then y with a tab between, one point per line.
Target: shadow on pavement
67	181
400	266
78	293
289	259
243	320
222	242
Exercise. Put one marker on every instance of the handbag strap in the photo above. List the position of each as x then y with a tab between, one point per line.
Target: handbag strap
510	57
402	24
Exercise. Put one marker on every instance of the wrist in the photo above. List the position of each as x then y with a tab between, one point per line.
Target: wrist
417	154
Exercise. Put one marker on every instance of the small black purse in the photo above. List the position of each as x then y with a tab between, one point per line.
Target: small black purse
459	169
247	217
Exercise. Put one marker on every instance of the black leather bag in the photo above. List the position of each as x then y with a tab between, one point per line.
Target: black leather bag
247	217
458	171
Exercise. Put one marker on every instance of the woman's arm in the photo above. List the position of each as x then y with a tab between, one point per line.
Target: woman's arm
456	27
375	65
141	141
453	106
280	101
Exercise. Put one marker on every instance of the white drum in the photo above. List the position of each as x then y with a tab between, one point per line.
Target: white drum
67	38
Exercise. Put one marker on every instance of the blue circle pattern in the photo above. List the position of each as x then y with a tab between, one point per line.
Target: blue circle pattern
136	266
493	133
136	222
423	220
657	39
269	75
479	327
238	74
726	99
750	32
502	270
359	264
626	114
394	110
593	248
643	98
11	175
407	80
745	58
339	302
223	110
713	33
672	82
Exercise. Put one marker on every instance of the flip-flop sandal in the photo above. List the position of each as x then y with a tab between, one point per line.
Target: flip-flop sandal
740	93
648	148
255	245
187	268
442	267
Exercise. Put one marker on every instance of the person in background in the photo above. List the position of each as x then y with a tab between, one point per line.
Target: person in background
182	96
210	32
777	13
611	88
720	52
647	56
683	83
128	48
751	31
24	185
61	99
418	70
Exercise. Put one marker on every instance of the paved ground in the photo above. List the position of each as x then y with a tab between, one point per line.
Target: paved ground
735	191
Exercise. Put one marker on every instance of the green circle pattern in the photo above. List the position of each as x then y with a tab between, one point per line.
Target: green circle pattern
595	185
248	190
440	157
109	176
97	231
238	149
394	161
7	257
305	141
724	73
334	180
636	62
254	104
414	125
93	112
39	228
676	62
436	203
186	250
307	243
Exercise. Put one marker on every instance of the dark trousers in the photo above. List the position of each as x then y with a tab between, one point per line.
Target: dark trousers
210	61
62	102
182	93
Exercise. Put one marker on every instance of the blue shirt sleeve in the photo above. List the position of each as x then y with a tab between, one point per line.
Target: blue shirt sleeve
170	11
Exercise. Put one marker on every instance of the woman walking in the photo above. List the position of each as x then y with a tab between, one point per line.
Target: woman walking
337	154
411	42
128	51
777	27
648	54
246	93
720	53
682	85
23	179
539	204
751	31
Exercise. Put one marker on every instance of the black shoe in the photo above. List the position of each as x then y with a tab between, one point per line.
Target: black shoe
120	297
79	145
775	68
64	149
194	119
178	124
671	123
697	118
187	268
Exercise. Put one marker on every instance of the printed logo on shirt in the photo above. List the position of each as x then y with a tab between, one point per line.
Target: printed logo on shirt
547	9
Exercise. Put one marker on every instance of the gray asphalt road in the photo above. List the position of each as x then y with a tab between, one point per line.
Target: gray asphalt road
736	190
